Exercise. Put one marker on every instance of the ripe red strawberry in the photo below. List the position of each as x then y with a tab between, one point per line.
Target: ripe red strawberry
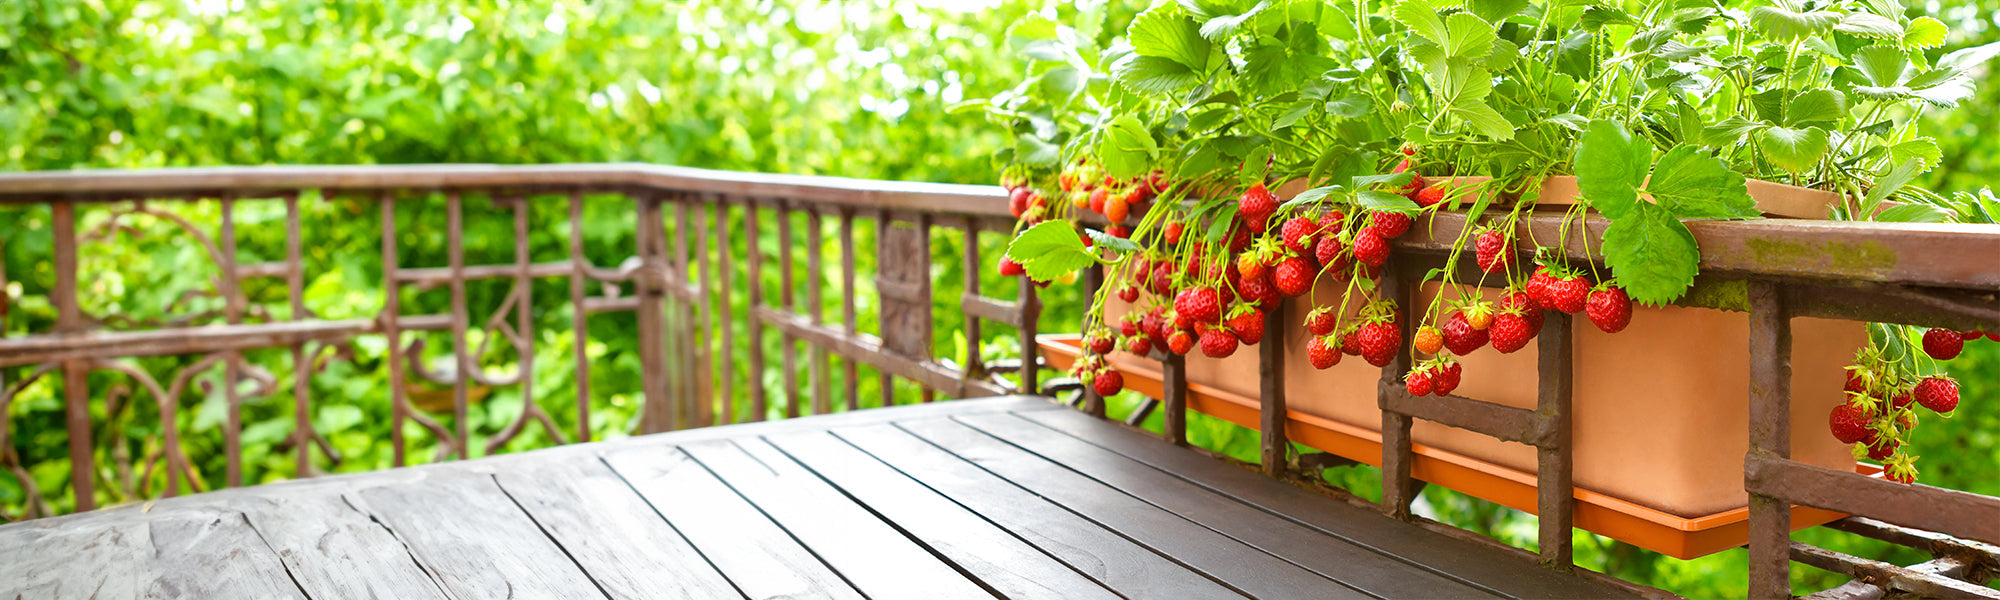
1250	265
1256	205
1298	234
1217	342
1097	200
1017	201
1199	305
1010	268
1379	342
1321	321
1086	239
1938	394
1157	181
1971	335
1108	383
1538	285
1322	352
1163	278
1101	344
1180	342
1567	294
1248	326
1904	400
1119	231
1418	383
1239	237
1116	208
1139	345
1350	342
1427	340
1389	224
1460	336
1519	300
1445	380
1293	277
1174	231
1329	221
1128	327
1494	250
1857	379
1510	332
1850	424
1943	344
1610	309
1370	248
1328	252
1428	197
1258	290
1883	449
1128	293
1995	336
1183	321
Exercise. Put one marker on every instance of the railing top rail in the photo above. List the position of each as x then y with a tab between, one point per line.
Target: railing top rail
115	184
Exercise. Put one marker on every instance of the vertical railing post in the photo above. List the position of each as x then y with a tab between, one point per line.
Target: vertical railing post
233	307
656	414
1031	362
1770	563
788	347
392	330
685	412
1271	389
847	295
975	366
1399	488
704	363
302	367
725	278
816	358
1554	457
462	375
579	320
1173	421
1093	280
76	393
751	233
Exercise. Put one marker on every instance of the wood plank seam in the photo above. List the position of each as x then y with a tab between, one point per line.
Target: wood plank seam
551	537
767	515
293	577
349	500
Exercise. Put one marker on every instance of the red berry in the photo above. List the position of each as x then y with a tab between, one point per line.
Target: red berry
1322	353
1850	424
1445	380
1248	327
1108	383
1938	394
1418	383
1199	305
1298	234
1855	381
1101	344
1610	309
1428	197
1097	200
1329	221
1993	336
1320	321
1494	251
1256	204
1520	301
1427	340
1139	345
1460	336
1174	231
1180	342
1379	342
1510	332
1568	294
1370	248
1250	266
1217	342
1116	208
1119	231
1017	202
1971	335
1258	290
1943	344
1293	277
1538	285
1328	252
1883	449
1128	328
1010	268
1389	224
1128	293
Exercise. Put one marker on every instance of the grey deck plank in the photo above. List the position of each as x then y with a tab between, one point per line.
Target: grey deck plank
1127	567
1360	567
1488	567
611	532
754	553
1232	562
879	560
214	555
990	554
333	550
474	539
76	557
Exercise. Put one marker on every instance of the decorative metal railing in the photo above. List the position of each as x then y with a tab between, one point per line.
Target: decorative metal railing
682	288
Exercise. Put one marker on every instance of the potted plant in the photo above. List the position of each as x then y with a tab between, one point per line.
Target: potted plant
1219	157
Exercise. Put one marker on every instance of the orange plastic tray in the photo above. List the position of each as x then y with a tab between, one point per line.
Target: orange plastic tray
1666	533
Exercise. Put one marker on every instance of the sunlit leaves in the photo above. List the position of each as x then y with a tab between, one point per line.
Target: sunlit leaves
1647	247
1164	32
1049	250
1652	254
1794	150
1127	150
1783	24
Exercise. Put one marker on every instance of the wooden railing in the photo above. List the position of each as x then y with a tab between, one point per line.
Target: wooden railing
1931	275
682	288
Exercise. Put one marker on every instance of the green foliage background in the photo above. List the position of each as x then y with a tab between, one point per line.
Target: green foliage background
858	89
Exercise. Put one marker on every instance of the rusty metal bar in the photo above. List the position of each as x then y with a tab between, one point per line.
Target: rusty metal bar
579	319
816	360
302	367
1554	455
657	412
1272	407
875	351
1770	540
460	399
76	394
685	411
205	339
1887	575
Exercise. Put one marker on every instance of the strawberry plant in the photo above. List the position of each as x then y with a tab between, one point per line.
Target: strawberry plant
1222	155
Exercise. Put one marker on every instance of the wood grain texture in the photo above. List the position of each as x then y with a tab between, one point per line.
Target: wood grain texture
878	559
995	557
1127	567
611	532
744	545
334	550
78	557
215	555
474	539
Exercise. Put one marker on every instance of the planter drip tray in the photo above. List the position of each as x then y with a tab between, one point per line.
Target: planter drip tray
1620	519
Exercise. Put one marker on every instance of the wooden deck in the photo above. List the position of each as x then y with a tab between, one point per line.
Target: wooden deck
1006	497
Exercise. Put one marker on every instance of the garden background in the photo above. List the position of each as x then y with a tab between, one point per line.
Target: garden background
858	89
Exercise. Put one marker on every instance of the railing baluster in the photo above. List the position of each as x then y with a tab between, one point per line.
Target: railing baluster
76	393
887	382
1271	381
756	259
1554	459
1093	280
788	346
232	420
822	401
392	315
295	286
1398	487
1031	314
725	279
847	303
657	414
704	372
684	406
975	366
1770	541
460	400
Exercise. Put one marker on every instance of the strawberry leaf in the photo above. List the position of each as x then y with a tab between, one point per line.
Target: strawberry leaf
1652	254
1794	150
1610	166
1049	251
1127	149
1693	185
1385	202
1153	75
1106	240
1165	33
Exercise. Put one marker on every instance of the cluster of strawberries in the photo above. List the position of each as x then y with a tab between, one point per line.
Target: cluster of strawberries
1878	414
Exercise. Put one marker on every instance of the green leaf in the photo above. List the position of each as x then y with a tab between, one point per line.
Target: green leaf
1153	75
1032	150
1494	11
1794	150
1469	35
1220	27
1299	110
1049	250
1870	26
1484	120
1817	106
1652	254
1882	66
1163	32
1923	150
1964	59
1924	33
1610	165
1596	17
1396	180
1106	240
1375	200
1127	149
1890	182
1693	185
1421	19
1351	106
1785	25
1913	213
1312	195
